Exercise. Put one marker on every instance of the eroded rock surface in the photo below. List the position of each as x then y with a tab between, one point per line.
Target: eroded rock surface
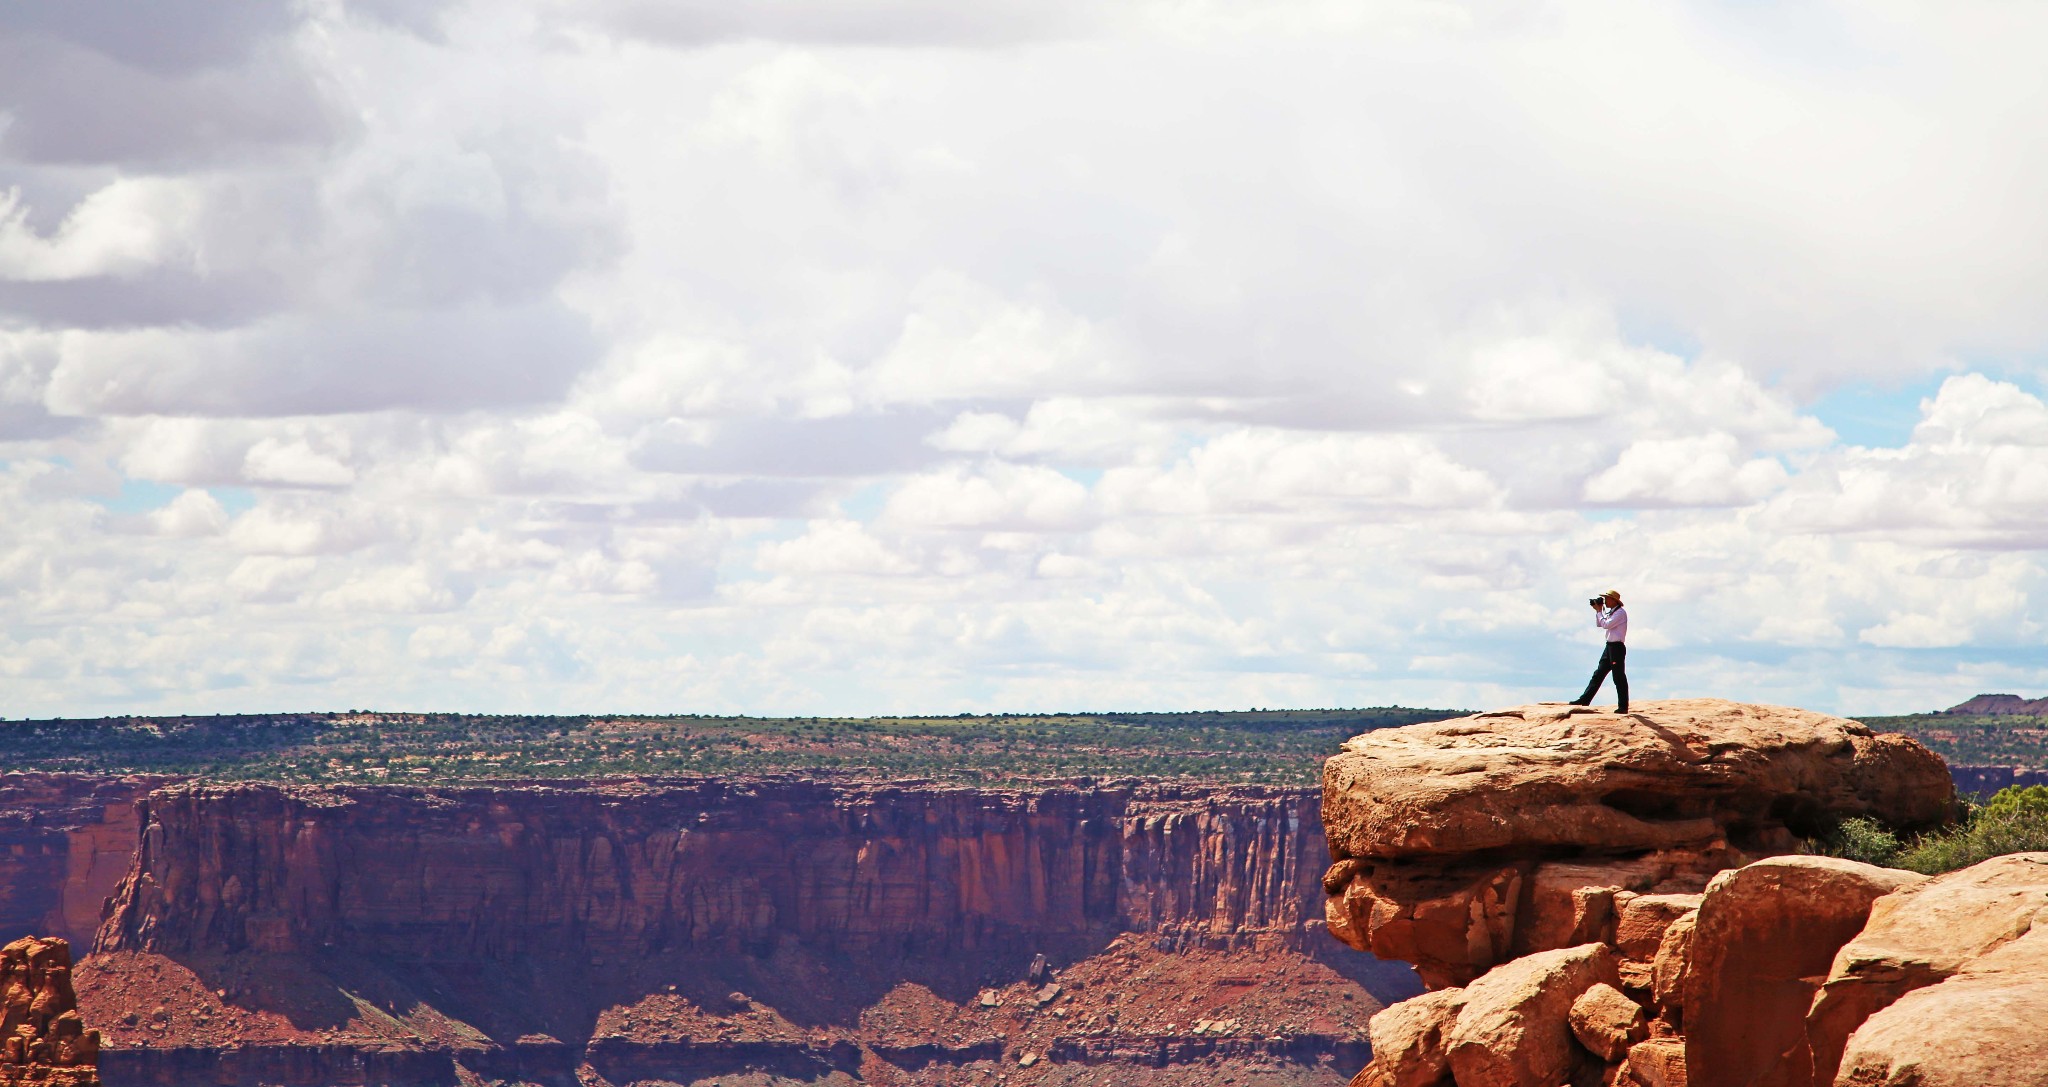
43	1043
1967	943
1408	1039
1764	937
1986	1026
1515	1028
1460	844
65	842
1601	897
1607	1022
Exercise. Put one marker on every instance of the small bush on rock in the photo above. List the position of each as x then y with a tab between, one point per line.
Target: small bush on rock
2013	821
1864	840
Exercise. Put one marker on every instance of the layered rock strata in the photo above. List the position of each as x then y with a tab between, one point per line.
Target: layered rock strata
488	871
680	930
1588	893
1981	782
65	842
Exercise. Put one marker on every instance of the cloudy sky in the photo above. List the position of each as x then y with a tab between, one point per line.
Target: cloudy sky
859	356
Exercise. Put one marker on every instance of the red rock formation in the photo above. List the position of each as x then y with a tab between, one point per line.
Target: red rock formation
1950	975
65	842
1515	1028
1494	850
490	871
1450	840
1764	938
43	1043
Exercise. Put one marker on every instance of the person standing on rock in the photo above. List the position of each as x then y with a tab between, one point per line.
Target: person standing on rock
1610	616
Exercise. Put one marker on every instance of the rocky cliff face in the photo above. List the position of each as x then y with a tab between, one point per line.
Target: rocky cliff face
1981	782
625	869
65	842
1590	898
679	930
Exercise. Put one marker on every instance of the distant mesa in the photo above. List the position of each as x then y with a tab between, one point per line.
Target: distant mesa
2001	705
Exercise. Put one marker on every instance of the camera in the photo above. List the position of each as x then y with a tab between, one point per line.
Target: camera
1597	601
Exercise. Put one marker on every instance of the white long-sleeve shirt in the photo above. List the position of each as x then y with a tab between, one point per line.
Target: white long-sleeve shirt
1615	622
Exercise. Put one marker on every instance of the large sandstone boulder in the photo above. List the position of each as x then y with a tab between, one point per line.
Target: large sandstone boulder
1607	1022
1446	837
1764	937
1408	1048
1642	921
1987	1026
1672	774
1515	1028
1971	943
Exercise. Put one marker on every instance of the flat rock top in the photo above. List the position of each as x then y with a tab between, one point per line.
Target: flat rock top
1561	733
1677	773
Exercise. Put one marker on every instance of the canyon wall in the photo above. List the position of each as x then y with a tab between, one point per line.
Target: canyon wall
1980	782
492	871
679	930
66	840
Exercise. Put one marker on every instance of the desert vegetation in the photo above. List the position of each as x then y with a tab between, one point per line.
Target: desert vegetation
1975	739
1260	746
2015	820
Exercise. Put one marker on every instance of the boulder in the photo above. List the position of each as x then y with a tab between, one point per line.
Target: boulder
1450	921
1642	921
1764	937
1960	928
1987	1026
1515	1028
1658	1062
1669	968
1408	1039
1607	1022
1445	836
1640	924
1673	774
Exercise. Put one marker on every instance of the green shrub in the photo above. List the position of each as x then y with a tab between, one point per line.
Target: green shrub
2013	828
2013	821
2016	799
1860	839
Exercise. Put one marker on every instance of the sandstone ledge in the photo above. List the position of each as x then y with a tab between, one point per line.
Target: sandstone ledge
1464	843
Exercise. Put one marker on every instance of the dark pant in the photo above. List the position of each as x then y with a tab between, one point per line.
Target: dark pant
1612	659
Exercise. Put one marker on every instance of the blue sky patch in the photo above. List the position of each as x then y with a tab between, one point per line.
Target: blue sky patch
1875	416
141	496
144	495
